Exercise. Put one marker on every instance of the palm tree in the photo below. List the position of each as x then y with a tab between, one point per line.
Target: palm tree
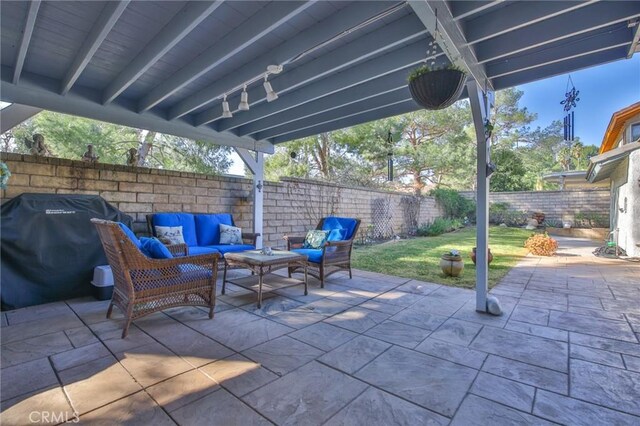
564	158
577	153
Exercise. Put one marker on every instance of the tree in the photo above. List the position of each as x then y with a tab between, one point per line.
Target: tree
565	158
509	119
510	173
576	151
68	136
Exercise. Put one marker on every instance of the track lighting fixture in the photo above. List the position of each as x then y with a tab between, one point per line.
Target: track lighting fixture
226	112
244	100
271	94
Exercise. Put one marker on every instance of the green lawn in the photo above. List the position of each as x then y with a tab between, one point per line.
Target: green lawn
419	258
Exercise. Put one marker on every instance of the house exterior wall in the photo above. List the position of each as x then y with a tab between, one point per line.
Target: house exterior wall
625	203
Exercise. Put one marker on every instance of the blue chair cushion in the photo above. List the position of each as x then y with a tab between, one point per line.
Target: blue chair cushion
232	248
179	219
346	223
337	235
201	250
129	233
314	255
208	227
153	248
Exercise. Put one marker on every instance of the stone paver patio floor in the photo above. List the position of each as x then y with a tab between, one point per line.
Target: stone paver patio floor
375	350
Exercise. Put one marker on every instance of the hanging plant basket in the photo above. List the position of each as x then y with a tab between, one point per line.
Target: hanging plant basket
436	89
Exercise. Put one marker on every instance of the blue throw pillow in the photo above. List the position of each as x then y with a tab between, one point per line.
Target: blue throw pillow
129	233
337	235
153	248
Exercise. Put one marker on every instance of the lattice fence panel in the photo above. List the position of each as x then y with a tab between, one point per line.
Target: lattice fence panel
381	215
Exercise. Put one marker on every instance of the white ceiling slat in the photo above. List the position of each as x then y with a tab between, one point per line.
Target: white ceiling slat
249	32
107	19
188	18
26	38
348	17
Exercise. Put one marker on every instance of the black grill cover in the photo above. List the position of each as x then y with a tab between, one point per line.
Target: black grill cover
50	247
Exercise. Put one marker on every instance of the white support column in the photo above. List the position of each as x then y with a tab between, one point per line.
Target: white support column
480	110
258	198
255	163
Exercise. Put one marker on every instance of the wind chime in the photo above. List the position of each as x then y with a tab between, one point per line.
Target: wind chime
389	157
569	102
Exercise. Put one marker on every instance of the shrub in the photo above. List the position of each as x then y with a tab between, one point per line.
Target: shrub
497	212
439	226
455	206
541	245
591	220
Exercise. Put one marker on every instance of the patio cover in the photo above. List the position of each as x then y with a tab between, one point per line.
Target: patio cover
166	66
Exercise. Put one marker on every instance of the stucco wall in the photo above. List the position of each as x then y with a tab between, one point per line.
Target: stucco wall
626	182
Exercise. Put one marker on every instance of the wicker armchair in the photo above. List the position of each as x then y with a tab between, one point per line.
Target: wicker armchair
143	286
336	255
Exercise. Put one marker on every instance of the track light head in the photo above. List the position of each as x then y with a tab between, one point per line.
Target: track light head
244	100
271	94
226	112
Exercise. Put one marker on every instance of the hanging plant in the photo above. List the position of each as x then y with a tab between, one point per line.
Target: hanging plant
436	88
4	175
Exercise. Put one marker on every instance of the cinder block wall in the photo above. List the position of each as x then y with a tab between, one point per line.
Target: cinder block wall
556	205
291	206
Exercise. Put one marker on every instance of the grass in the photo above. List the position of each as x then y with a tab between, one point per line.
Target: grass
419	258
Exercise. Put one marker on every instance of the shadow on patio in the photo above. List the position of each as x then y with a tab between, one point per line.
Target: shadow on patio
373	350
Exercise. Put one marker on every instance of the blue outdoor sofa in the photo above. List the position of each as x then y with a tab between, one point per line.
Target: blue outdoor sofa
201	232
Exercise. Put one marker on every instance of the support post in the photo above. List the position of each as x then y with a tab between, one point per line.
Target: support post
480	110
255	163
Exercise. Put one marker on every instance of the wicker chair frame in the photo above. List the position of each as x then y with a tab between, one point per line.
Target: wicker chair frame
143	286
336	255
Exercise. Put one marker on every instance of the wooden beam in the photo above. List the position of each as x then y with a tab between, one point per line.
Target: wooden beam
27	32
41	92
259	25
337	23
15	114
101	28
636	38
359	73
455	43
480	109
188	18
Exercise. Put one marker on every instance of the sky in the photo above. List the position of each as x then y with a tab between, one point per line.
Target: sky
603	90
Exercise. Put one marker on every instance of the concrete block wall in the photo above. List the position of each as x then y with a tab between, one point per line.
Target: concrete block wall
291	206
556	205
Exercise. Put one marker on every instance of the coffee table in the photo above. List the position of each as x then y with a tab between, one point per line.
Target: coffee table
262	266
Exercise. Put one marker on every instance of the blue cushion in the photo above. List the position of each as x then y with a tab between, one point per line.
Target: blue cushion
232	248
346	223
130	234
178	219
208	227
315	255
153	248
201	250
336	235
